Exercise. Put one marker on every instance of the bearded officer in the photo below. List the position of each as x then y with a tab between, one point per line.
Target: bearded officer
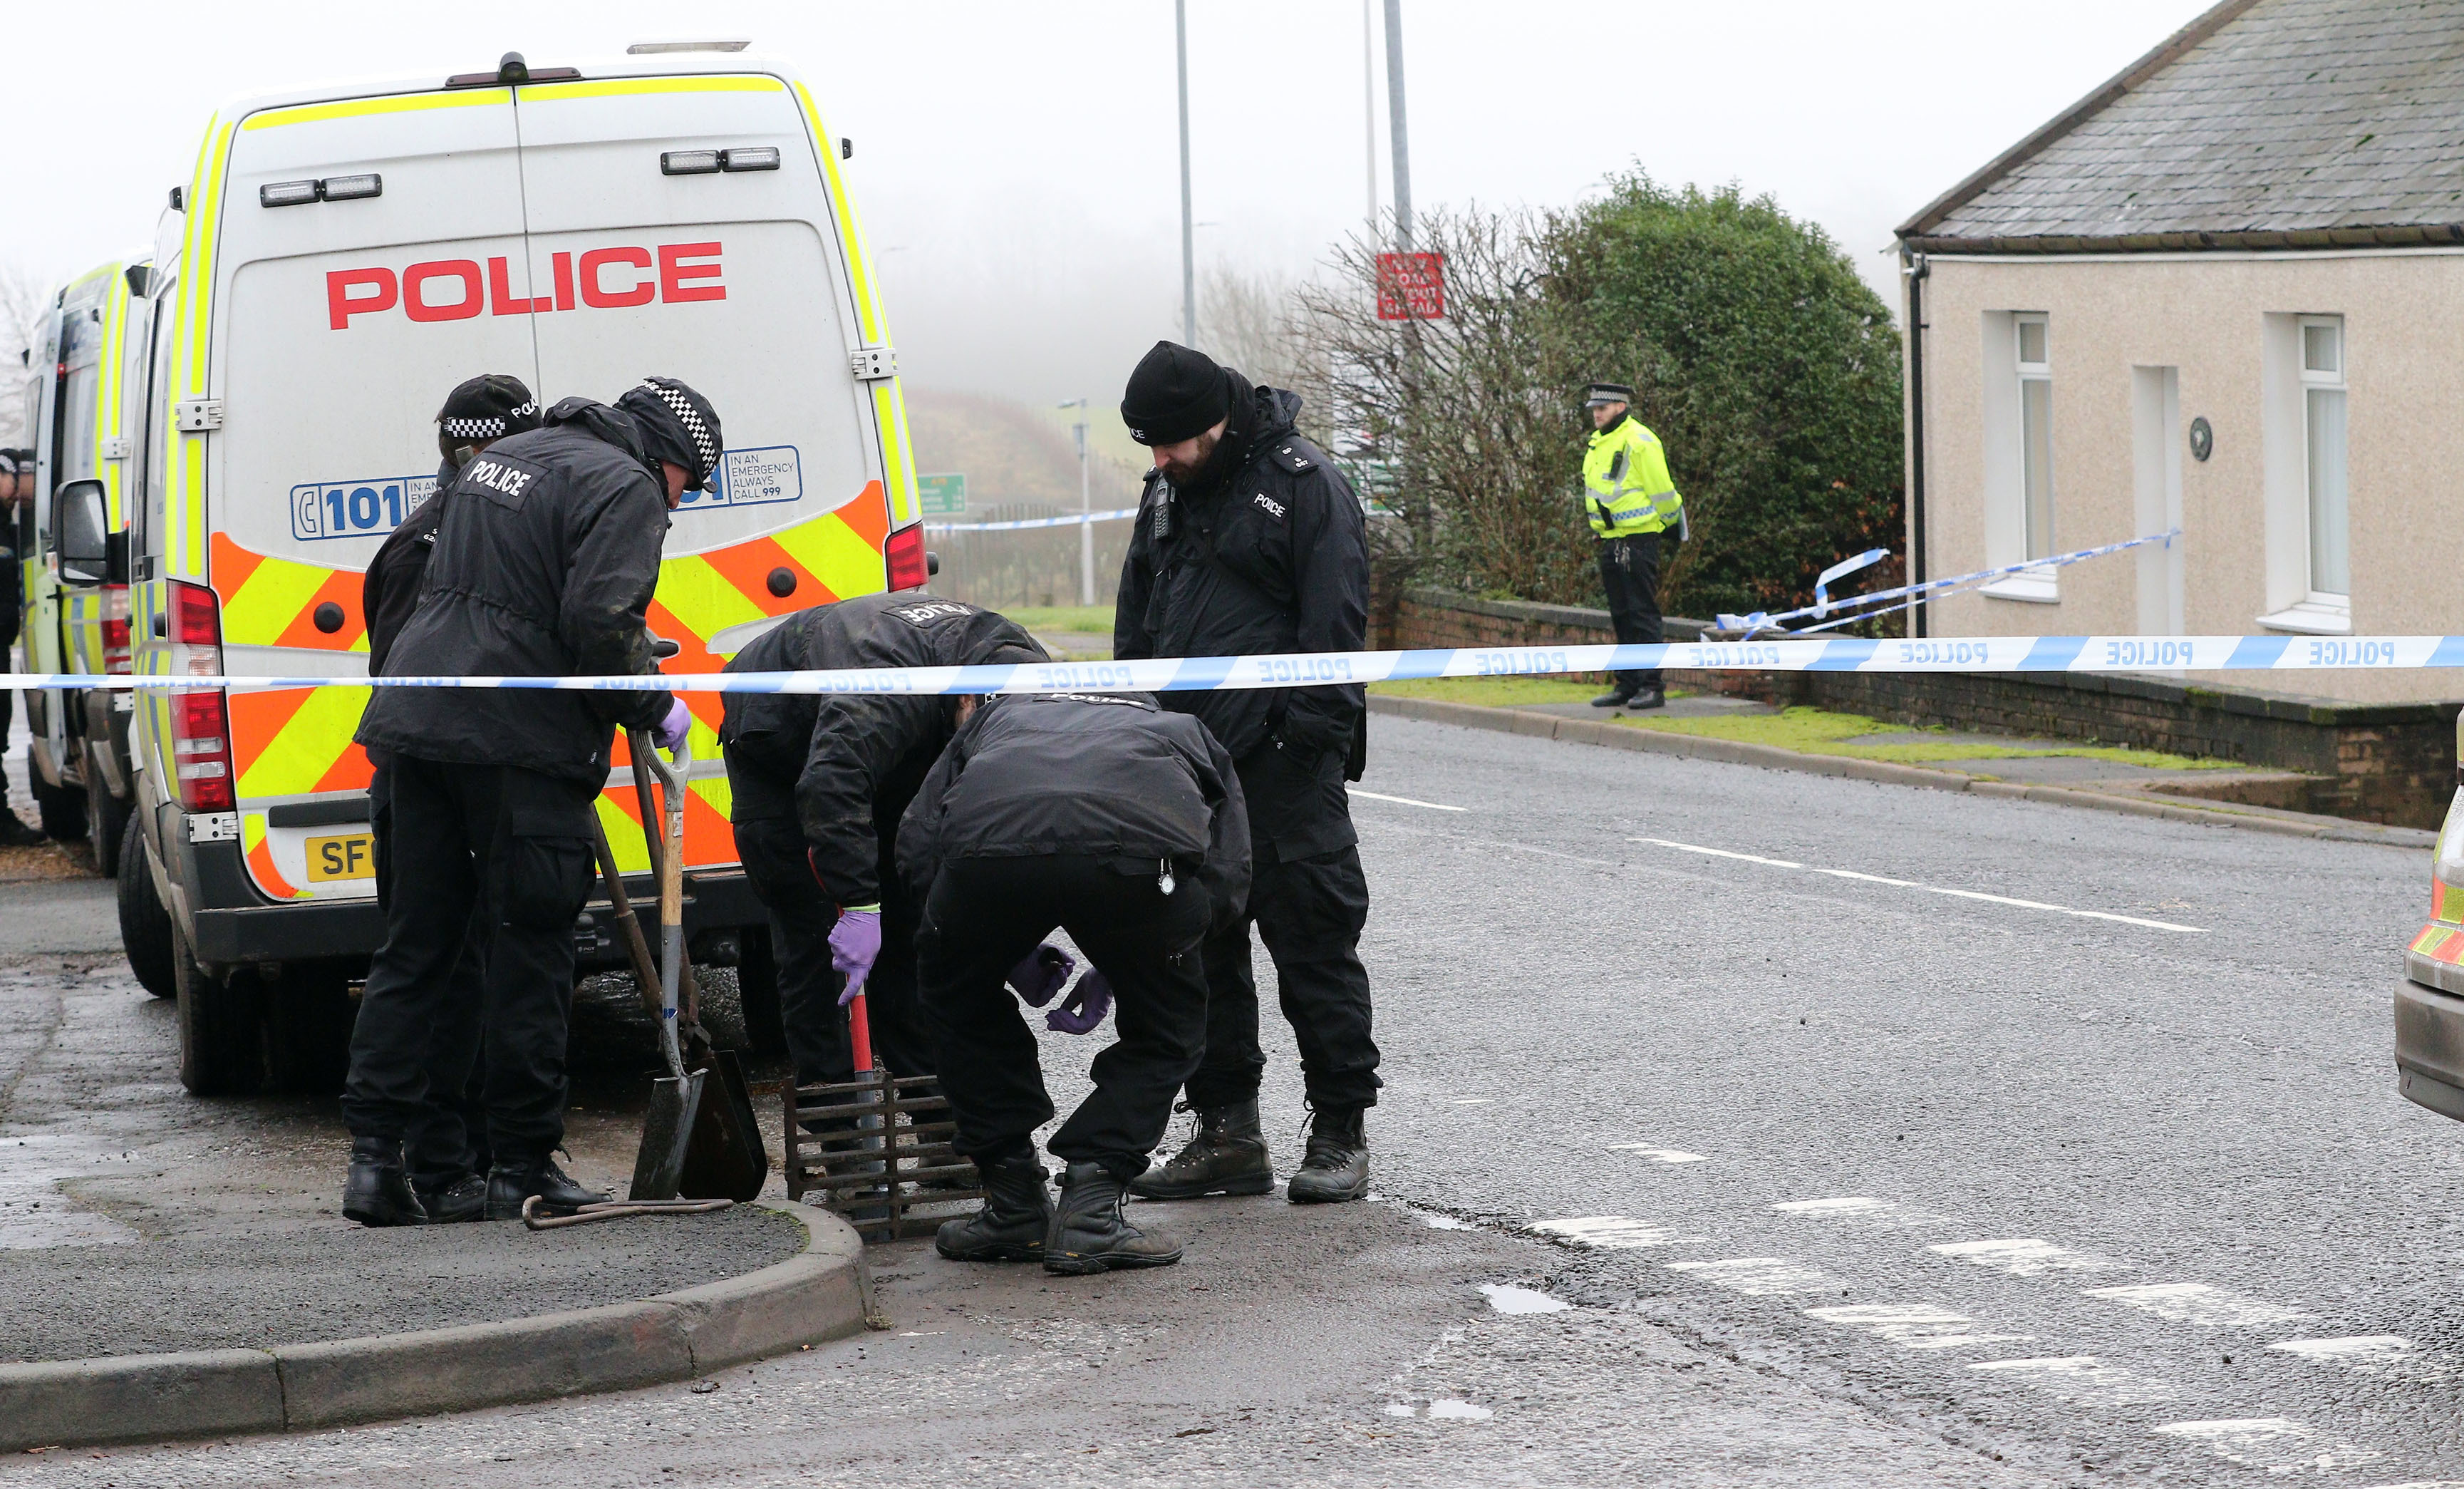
546	555
1248	540
1122	823
445	1152
820	783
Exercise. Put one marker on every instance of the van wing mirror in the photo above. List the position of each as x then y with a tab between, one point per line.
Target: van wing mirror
84	538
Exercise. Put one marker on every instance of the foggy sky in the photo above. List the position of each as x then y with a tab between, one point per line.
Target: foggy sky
1016	164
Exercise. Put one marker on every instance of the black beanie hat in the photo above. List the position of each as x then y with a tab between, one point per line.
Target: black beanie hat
1174	395
488	406
681	426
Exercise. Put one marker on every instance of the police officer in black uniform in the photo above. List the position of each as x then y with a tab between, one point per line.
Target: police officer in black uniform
445	1149
16	506
1248	540
546	555
1123	823
820	783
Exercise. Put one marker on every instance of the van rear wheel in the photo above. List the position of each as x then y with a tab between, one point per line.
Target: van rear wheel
220	1052
145	926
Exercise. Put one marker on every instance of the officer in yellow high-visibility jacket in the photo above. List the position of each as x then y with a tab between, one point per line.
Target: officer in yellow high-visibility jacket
1630	504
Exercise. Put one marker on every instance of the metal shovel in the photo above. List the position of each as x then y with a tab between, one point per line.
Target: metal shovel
666	1127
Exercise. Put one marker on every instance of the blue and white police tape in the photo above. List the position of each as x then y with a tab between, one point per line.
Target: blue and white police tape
1306	669
1073	519
1929	589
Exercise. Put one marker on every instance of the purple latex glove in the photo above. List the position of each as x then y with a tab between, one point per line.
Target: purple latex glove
1085	1006
674	728
855	945
1041	974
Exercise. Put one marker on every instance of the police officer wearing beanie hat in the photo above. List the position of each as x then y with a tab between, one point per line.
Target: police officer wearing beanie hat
547	552
1248	540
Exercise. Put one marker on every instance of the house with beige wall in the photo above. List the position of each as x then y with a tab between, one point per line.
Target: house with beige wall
2223	294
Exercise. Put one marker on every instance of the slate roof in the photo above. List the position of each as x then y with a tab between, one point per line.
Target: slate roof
2264	123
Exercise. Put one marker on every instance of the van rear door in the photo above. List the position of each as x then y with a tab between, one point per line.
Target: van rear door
368	253
648	255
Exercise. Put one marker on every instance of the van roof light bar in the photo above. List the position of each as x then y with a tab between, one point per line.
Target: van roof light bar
659	48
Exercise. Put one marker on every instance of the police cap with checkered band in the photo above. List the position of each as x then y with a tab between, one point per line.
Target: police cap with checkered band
489	407
681	426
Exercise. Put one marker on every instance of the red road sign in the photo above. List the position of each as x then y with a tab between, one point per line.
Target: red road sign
1410	286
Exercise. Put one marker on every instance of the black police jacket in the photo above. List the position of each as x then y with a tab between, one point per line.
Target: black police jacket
1109	775
1274	559
547	551
389	591
845	765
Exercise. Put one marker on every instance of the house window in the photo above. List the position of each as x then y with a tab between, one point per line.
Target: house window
2323	430
2036	434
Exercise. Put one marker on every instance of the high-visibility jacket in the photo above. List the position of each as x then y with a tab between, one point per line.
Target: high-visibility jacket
1626	488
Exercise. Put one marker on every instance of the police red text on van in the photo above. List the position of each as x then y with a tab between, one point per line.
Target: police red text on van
458	289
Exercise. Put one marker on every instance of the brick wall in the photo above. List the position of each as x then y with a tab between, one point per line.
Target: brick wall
2391	763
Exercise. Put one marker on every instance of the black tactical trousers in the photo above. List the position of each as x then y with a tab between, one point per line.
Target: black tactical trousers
801	917
449	1137
507	853
1630	572
1309	900
986	914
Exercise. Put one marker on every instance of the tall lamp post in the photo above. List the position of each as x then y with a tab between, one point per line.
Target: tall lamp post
1188	233
1085	508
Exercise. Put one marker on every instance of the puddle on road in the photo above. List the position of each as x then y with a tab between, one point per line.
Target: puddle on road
36	1215
1507	1298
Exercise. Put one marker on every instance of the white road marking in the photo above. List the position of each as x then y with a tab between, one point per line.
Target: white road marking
2367	1353
1916	1326
1833	1209
1609	1232
2024	1257
2196	1303
2234	1439
1404	801
1399	1409
1473	1100
2079	1378
1930	889
1506	1298
1656	1155
1761	1277
1459	1412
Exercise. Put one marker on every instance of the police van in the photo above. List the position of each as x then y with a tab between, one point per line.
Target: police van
71	540
340	258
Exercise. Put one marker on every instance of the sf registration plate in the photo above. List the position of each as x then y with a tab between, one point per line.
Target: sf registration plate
352	855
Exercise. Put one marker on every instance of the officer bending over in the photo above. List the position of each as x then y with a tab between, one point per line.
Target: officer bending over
819	784
446	1150
1123	824
546	555
1249	541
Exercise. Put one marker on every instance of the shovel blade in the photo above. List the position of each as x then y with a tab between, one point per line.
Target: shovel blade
667	1132
725	1159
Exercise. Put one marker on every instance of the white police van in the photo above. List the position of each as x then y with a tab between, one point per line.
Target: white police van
340	258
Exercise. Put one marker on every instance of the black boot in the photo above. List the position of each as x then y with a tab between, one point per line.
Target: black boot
1337	1166
1228	1156
508	1184
463	1197
14	831
377	1192
1647	697
1088	1233
1614	698
1016	1215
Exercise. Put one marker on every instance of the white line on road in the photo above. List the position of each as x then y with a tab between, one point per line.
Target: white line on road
1761	1277
2079	1378
1656	1155
1609	1232
1833	1209
1404	801
1930	889
2236	1439
2023	1256
2367	1353
2196	1303
1916	1326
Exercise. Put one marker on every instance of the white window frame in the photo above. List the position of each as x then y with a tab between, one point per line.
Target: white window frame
2013	375
2312	612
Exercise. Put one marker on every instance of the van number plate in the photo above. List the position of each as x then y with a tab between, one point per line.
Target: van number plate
352	855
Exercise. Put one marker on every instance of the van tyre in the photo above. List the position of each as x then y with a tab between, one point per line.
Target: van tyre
145	926
220	1052
307	1015
62	807
108	830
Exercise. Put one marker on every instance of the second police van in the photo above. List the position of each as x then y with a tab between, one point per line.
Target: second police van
341	258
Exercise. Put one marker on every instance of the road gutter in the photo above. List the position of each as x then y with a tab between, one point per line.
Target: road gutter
1771	757
819	1294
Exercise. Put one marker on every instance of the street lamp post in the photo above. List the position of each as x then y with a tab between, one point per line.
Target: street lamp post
1188	234
1085	508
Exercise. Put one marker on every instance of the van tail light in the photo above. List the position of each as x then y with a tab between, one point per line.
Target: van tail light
201	755
115	628
905	553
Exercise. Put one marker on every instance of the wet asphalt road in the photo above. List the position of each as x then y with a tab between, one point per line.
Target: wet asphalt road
1854	1171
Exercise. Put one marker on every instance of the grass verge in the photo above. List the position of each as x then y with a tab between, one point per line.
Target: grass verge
1089	619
